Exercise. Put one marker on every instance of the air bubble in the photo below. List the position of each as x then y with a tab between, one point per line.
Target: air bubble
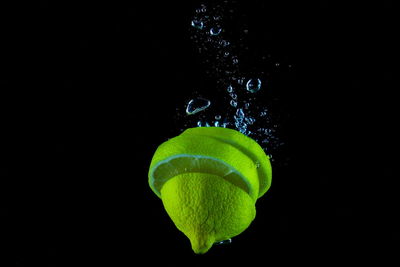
215	31
253	85
196	105
197	24
233	103
240	113
224	242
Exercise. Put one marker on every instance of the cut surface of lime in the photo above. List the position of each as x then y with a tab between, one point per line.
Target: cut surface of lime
184	163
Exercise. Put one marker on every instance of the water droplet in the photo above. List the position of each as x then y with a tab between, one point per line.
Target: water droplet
215	31
226	54
253	85
218	117
233	103
235	60
247	105
229	89
234	96
203	9
197	24
224	242
196	105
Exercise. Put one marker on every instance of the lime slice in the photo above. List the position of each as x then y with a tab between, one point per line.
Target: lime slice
246	145
203	154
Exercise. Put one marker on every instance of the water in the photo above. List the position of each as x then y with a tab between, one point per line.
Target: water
196	105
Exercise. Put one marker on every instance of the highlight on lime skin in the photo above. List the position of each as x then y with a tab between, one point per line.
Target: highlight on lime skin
209	179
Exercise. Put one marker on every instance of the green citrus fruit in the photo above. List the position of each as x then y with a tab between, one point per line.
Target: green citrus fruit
209	179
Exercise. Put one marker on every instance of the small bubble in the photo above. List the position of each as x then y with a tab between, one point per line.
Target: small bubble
240	113
246	31
263	114
215	31
218	117
235	60
234	96
233	103
224	43
226	54
250	120
247	105
196	105
224	242
253	85
277	64
203	9
197	24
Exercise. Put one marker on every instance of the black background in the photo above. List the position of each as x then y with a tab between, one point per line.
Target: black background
91	90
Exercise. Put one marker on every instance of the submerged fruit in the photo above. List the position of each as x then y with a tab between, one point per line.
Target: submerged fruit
209	179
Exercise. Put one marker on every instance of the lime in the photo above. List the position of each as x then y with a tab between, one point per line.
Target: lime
209	179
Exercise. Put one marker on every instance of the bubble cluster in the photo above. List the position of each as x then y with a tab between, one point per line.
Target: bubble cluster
221	58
